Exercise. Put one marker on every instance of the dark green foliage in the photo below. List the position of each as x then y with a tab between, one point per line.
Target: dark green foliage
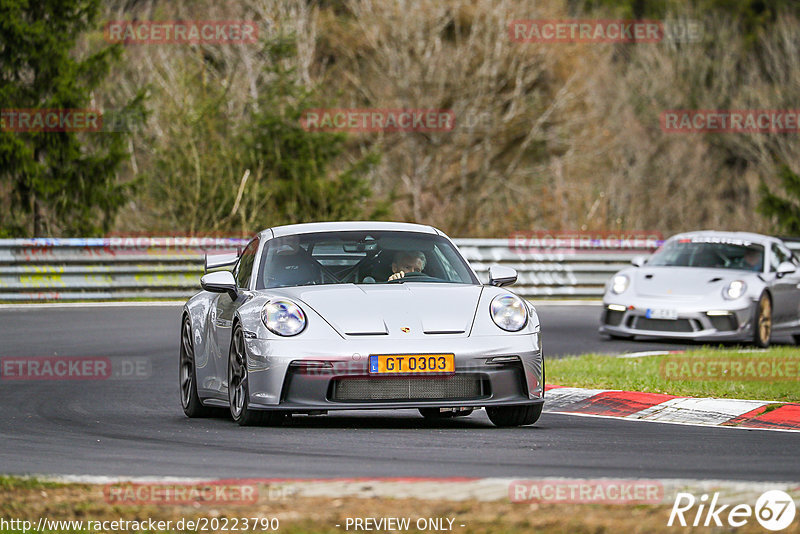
784	209
292	175
61	183
297	163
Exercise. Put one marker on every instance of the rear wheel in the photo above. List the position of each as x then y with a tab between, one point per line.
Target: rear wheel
239	387
434	413
190	401
796	338
514	415
763	322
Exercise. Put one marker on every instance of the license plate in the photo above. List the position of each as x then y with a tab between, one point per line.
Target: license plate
655	313
412	363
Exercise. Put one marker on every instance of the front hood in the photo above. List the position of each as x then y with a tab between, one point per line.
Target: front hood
682	282
423	308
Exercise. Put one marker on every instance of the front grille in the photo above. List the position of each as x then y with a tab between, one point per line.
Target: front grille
613	317
455	387
664	325
723	323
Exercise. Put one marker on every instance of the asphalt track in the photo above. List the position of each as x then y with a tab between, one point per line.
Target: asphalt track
136	427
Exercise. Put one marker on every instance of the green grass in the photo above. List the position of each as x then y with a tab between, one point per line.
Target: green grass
651	374
10	483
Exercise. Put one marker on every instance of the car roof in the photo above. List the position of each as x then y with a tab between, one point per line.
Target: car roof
746	236
345	226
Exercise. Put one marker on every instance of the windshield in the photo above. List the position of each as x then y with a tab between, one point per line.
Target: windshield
361	258
718	253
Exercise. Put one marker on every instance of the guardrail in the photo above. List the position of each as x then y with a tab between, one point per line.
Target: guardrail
170	268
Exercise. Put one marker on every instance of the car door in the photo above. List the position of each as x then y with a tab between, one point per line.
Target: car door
793	281
225	307
785	292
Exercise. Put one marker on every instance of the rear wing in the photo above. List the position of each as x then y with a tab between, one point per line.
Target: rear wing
217	262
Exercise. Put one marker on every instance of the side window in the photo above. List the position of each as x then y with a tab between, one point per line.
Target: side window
787	254
452	275
244	269
778	256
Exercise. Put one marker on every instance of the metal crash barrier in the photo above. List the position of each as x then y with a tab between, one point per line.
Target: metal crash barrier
121	268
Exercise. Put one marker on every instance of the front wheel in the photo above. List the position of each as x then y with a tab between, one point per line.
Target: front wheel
239	387
514	415
763	322
190	401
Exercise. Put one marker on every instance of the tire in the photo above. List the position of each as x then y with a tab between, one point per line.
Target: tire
796	339
434	413
239	387
187	376
514	415
762	322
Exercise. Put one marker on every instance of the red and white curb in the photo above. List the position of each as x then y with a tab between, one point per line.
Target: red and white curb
663	408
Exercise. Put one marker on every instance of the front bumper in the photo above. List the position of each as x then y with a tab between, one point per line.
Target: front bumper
279	376
699	321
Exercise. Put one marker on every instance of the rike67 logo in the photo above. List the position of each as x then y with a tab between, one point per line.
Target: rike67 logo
774	510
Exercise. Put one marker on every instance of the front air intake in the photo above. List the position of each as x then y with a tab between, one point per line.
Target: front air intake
367	389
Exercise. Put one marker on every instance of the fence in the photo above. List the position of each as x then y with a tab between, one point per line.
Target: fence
170	268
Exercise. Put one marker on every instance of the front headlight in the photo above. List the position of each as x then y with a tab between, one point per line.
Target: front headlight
283	317
734	290
619	284
509	312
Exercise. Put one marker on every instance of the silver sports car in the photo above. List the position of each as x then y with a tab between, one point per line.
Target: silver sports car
353	316
707	286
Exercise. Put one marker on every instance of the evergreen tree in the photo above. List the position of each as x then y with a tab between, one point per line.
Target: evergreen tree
54	183
785	210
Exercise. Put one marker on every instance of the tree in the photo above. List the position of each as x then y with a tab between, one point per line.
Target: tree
55	183
784	210
297	166
233	171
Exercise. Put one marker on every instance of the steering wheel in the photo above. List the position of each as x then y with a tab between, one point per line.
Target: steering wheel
410	274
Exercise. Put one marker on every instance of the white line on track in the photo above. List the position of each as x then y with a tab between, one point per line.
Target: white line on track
116	304
482	489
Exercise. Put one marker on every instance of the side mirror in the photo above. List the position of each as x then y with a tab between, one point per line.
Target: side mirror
786	267
638	261
500	275
220	282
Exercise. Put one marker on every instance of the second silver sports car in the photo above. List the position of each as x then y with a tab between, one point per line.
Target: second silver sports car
358	315
707	285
